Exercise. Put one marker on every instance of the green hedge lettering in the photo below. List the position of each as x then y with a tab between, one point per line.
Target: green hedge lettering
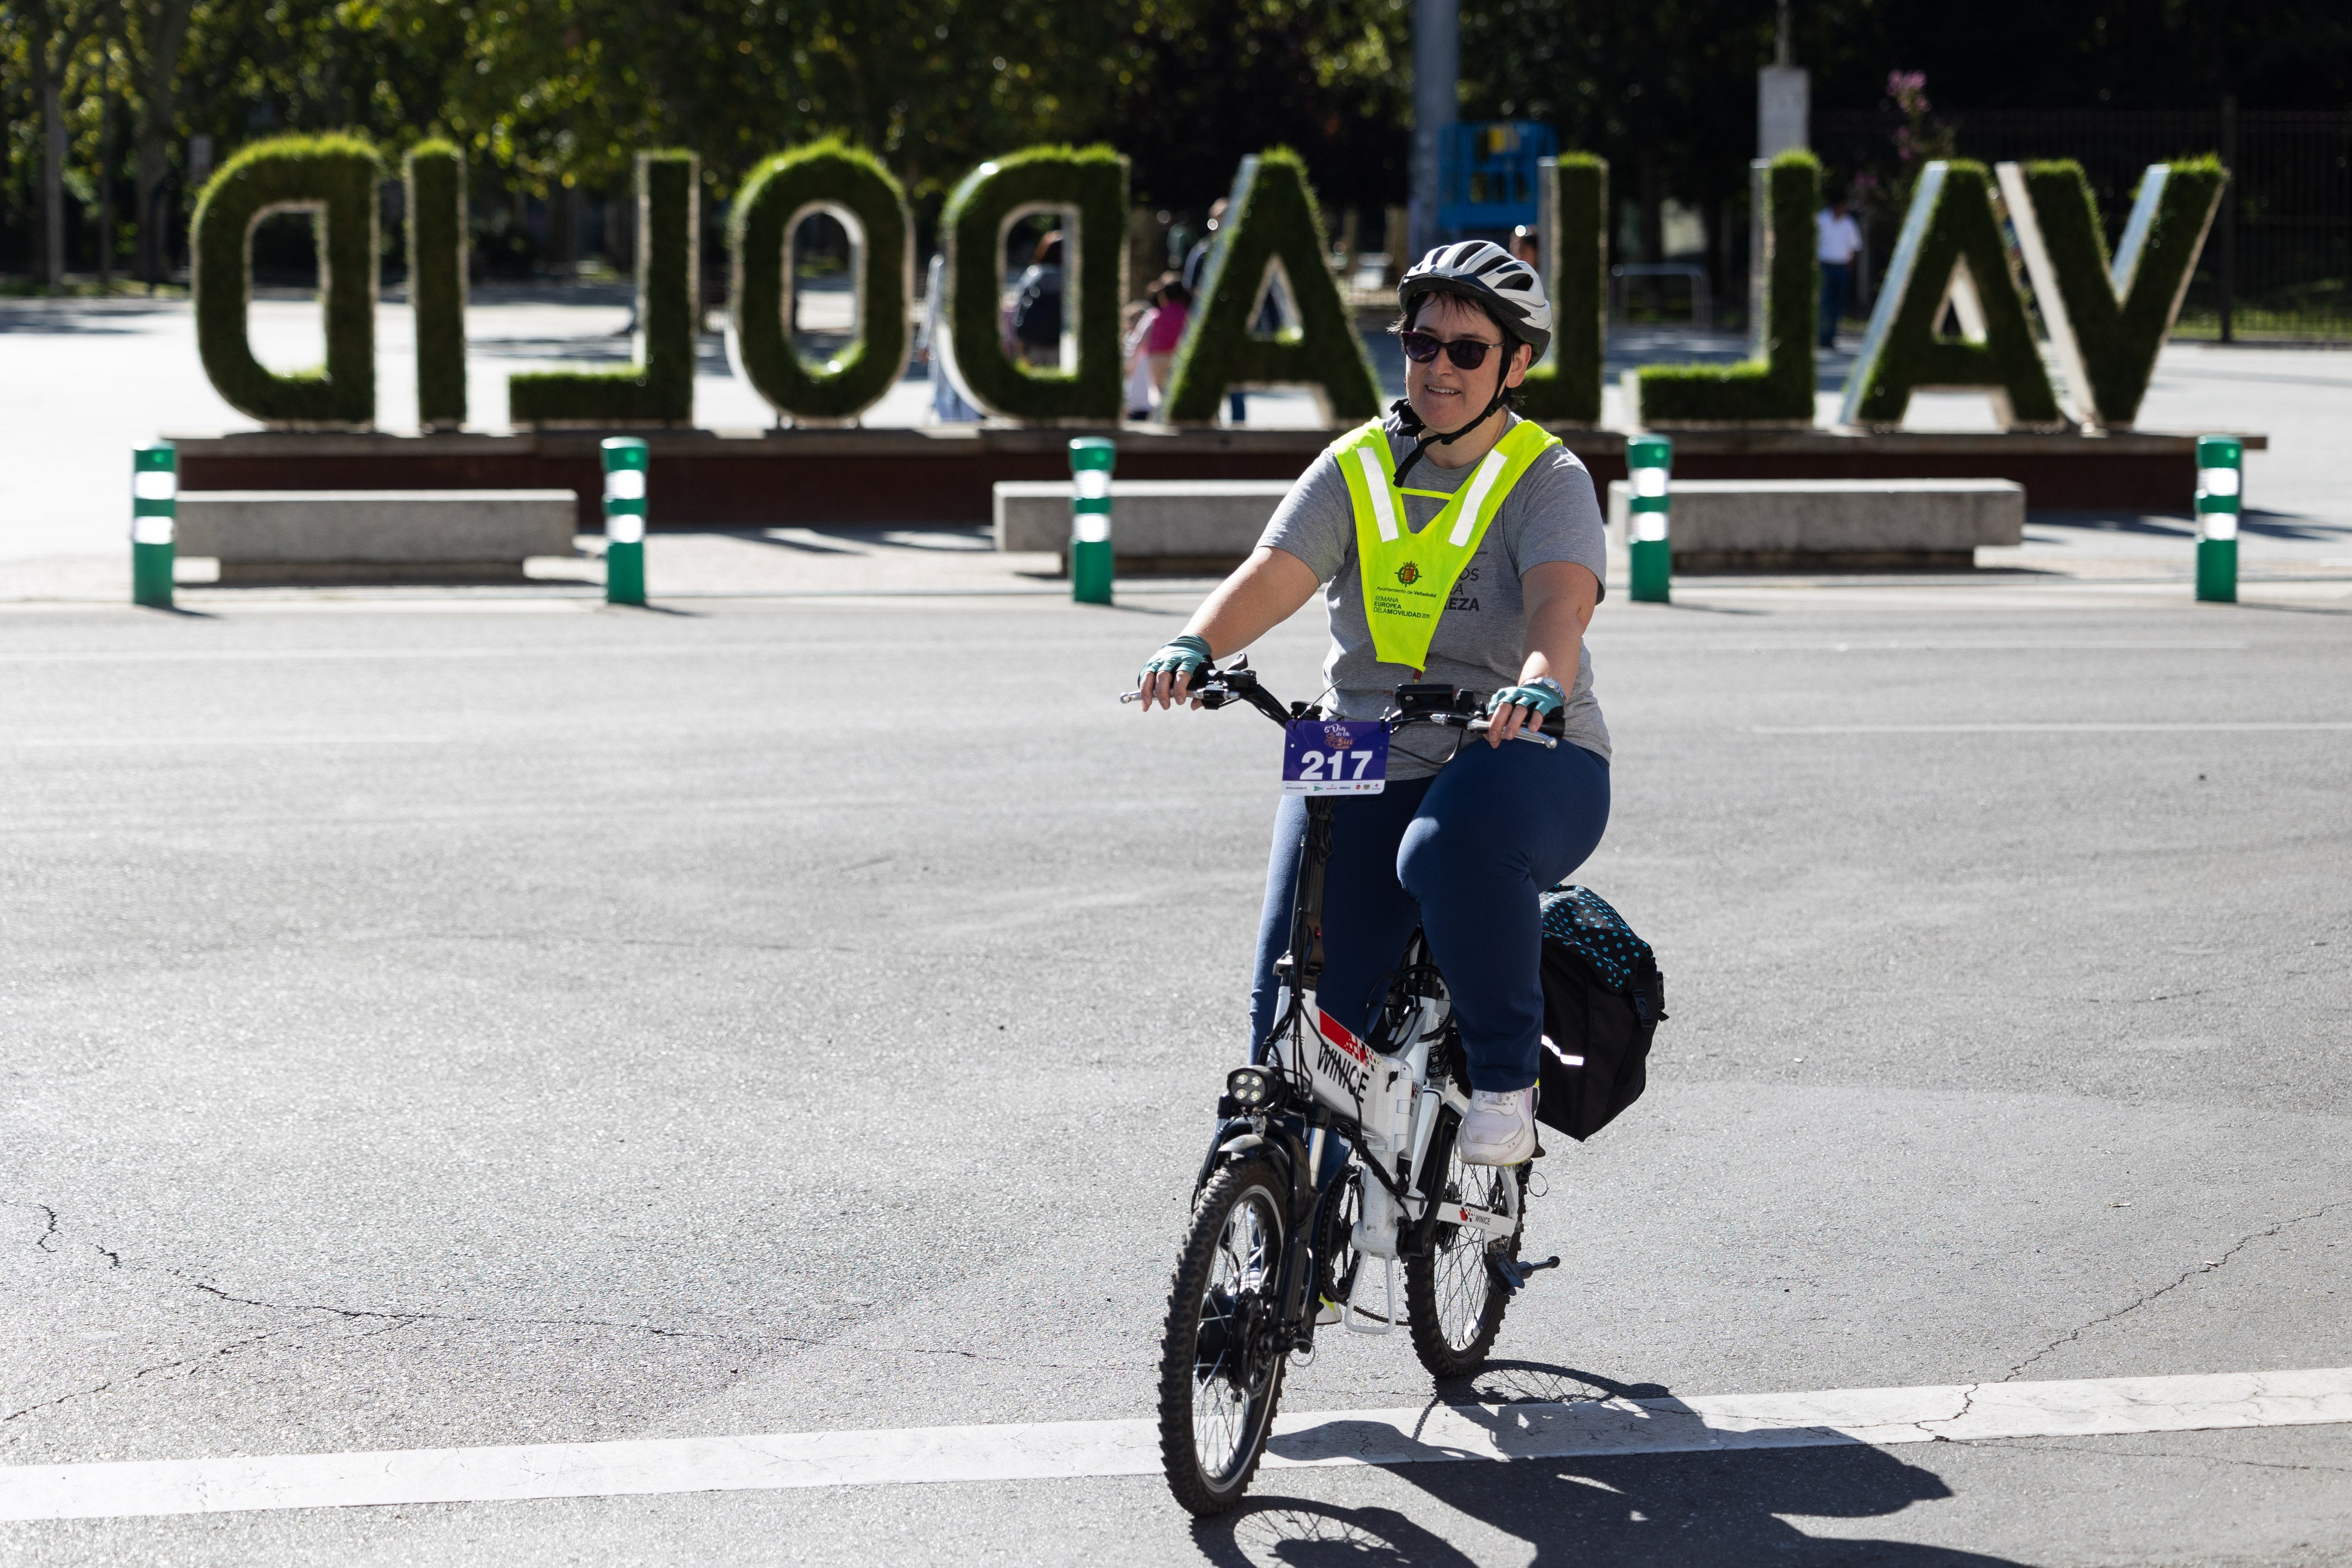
1566	389
2107	325
779	194
659	389
1270	217
1093	182
436	175
1950	251
335	178
1777	390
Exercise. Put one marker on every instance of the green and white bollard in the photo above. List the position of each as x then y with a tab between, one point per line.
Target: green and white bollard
2221	470
1092	458
1649	463
154	516
625	520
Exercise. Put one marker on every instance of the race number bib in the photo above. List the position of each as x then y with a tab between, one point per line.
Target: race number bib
1335	757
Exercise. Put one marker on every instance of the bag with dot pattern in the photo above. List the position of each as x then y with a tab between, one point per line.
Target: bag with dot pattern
1603	1000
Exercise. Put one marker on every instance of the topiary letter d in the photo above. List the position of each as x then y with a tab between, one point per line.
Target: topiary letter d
335	178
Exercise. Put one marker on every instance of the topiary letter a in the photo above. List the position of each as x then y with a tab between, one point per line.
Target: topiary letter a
1270	219
1950	254
2107	324
333	177
659	388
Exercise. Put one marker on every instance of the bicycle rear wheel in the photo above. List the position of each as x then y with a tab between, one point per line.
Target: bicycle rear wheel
1220	1365
1453	1298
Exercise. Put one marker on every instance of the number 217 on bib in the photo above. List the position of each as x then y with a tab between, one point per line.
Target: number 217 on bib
1335	757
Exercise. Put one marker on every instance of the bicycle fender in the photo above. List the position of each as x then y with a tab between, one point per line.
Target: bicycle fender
1229	1138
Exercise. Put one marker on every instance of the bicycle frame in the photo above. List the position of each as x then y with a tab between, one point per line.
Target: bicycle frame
1410	1045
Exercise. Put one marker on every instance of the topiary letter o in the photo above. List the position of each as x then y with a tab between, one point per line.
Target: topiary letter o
334	177
779	194
1093	180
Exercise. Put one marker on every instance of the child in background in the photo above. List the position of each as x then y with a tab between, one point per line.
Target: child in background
1138	365
1173	308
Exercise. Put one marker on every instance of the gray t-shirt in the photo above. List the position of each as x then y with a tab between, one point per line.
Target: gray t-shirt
1481	639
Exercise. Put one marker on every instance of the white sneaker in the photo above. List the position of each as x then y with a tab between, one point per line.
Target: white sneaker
1500	1129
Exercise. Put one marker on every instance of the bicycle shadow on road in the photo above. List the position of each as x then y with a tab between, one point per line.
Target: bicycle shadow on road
1599	1512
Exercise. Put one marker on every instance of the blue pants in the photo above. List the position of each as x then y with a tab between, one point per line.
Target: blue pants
1837	286
1463	856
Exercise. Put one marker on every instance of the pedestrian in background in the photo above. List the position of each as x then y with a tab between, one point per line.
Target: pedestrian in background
1151	343
1837	240
1037	307
1196	267
948	405
1171	315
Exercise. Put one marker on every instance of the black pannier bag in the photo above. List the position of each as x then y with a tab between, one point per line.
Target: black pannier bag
1603	999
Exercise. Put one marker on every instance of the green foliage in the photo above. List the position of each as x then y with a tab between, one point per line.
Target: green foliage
759	232
435	172
1950	224
2117	340
1270	216
659	390
1777	390
1093	181
1567	391
335	175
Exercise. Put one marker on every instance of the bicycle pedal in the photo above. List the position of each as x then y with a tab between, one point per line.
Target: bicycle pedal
1515	1273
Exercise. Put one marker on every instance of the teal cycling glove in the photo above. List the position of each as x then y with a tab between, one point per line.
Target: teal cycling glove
1185	655
1542	694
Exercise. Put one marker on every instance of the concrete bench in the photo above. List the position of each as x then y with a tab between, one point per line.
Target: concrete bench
1157	525
374	535
1832	525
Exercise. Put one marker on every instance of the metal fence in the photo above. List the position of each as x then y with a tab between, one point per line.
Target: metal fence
2279	263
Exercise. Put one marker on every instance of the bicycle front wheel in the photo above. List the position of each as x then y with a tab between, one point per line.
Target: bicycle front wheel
1219	1361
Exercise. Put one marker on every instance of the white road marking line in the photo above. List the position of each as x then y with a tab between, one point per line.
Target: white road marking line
177	742
1636	643
2219	728
1071	1449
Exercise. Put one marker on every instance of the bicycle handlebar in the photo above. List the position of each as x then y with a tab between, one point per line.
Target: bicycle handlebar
1417	703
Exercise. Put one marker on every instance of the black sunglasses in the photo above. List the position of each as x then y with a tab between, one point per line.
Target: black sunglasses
1467	354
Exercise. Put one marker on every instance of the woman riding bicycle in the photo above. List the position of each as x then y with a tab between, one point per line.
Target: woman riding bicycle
1495	601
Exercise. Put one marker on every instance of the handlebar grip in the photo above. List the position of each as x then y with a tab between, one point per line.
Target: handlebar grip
1480	726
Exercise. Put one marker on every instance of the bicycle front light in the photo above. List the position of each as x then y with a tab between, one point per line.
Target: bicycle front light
1251	1089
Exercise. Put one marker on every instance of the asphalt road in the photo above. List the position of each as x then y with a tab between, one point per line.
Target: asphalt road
449	1023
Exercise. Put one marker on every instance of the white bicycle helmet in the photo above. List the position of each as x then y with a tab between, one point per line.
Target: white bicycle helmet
1483	271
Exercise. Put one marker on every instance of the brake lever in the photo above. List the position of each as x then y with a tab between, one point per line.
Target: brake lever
1480	726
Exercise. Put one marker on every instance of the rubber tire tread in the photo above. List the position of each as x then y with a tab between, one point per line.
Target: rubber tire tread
1194	1264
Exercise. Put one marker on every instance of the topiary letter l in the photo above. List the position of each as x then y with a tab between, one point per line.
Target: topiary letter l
659	388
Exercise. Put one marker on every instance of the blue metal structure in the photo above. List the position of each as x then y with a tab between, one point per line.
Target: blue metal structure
1487	173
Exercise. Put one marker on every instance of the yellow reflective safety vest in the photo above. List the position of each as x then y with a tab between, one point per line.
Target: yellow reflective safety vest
1408	576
